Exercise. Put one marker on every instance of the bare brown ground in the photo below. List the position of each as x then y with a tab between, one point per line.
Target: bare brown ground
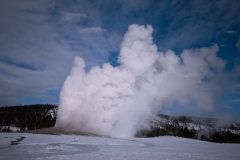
56	131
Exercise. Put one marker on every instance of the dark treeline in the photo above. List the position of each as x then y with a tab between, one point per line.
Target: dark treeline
27	117
205	129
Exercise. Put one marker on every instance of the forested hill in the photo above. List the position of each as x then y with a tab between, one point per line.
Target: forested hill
27	117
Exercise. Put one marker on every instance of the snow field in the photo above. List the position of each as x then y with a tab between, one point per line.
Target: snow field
38	146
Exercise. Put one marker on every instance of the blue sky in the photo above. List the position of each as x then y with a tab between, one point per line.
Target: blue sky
40	39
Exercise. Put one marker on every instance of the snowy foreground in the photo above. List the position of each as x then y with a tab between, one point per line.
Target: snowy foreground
39	146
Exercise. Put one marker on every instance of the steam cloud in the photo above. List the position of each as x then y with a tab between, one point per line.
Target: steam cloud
117	101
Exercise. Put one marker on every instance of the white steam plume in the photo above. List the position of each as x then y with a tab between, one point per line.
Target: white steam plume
117	101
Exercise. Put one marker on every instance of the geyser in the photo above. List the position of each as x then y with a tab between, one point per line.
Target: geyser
118	101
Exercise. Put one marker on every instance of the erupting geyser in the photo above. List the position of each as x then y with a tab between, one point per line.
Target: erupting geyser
117	101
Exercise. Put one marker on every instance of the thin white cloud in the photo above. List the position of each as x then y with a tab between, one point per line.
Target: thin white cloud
92	29
69	17
230	32
238	43
236	100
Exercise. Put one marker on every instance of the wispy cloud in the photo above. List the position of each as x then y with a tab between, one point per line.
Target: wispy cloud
38	47
238	43
236	100
230	32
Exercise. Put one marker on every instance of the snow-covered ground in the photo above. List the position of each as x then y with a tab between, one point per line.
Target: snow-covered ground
39	146
11	128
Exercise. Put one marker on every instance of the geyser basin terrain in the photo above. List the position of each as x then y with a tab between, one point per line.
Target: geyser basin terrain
118	101
37	146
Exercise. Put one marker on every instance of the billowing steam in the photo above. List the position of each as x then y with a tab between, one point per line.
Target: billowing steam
117	101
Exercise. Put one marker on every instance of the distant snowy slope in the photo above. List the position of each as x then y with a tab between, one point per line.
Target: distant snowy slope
193	127
195	123
37	146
